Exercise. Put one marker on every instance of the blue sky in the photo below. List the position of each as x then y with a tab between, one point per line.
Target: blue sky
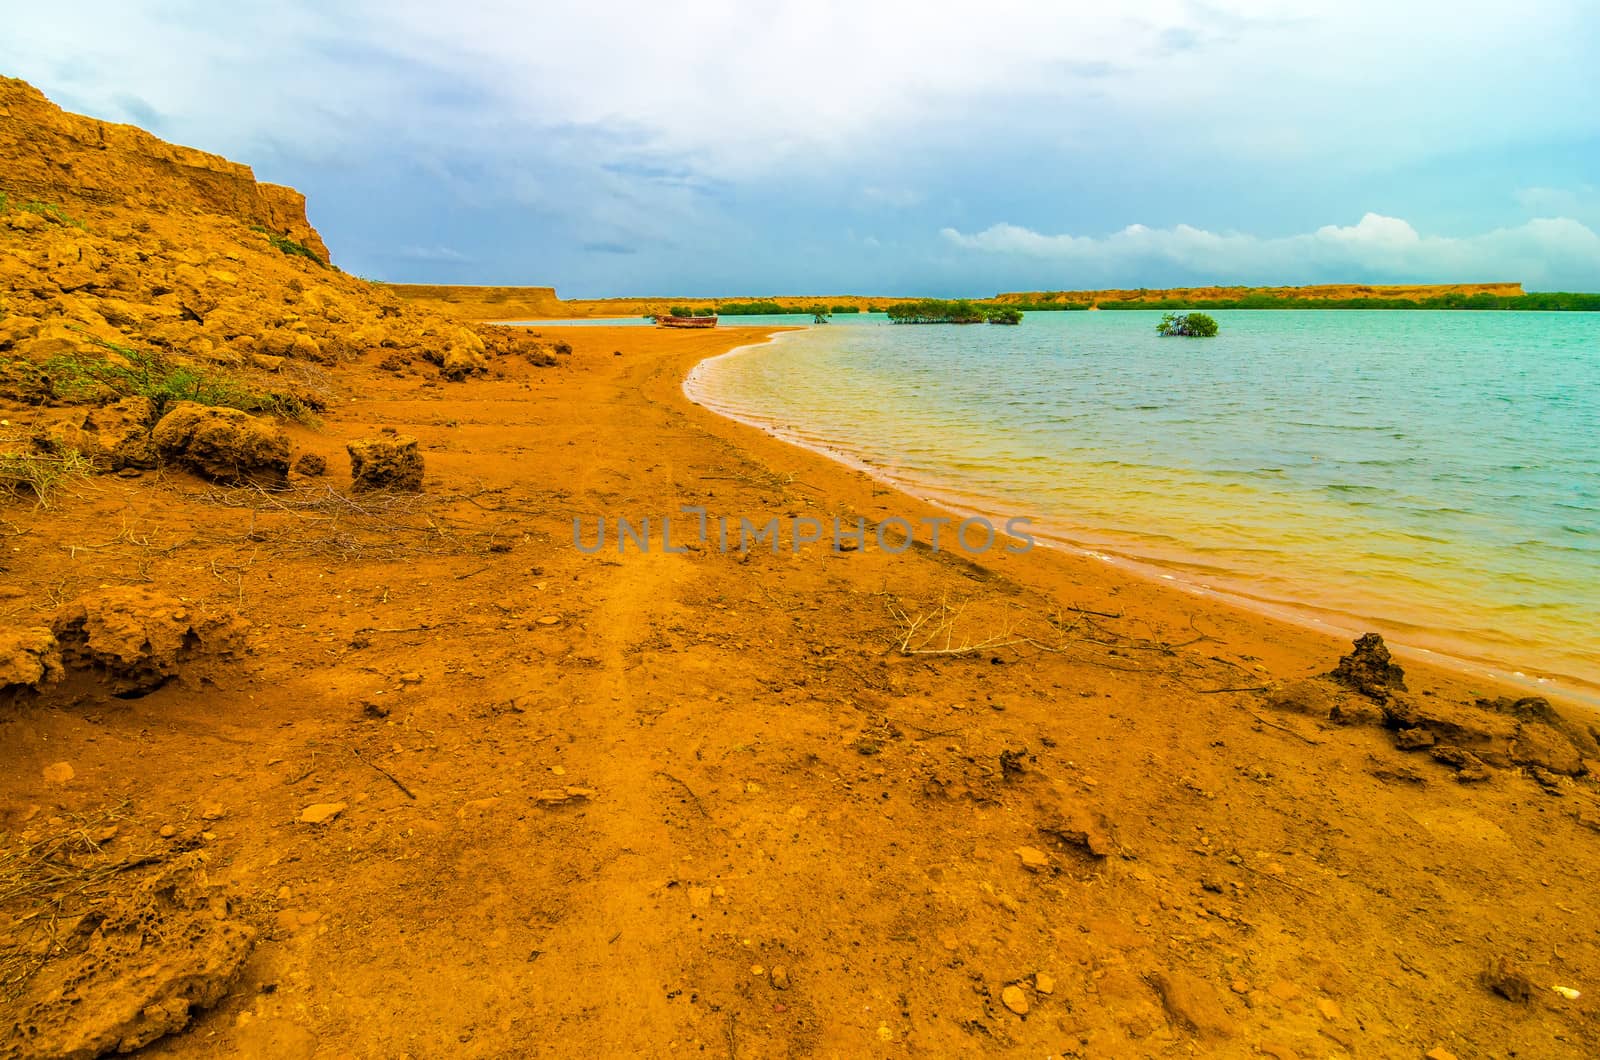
761	147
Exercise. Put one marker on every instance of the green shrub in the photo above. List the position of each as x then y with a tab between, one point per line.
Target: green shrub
1004	315
1187	325
936	311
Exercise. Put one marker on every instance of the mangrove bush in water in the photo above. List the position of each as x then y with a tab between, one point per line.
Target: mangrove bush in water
1187	325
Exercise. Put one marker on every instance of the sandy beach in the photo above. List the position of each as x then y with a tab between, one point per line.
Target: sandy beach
705	802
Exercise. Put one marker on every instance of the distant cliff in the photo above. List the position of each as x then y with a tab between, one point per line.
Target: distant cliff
485	303
53	156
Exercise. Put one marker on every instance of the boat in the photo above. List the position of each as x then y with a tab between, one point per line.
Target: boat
686	322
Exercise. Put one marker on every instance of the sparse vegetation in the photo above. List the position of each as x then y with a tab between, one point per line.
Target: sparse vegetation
49	211
127	372
1187	325
1004	315
289	246
40	475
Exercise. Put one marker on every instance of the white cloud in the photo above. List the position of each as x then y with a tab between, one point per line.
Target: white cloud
1542	254
1581	203
741	86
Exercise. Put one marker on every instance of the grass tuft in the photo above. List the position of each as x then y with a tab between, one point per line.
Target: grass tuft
41	476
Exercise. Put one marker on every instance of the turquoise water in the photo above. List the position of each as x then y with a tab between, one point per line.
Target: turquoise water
1434	476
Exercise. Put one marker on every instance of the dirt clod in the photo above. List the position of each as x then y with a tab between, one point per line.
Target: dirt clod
386	463
1414	739
310	465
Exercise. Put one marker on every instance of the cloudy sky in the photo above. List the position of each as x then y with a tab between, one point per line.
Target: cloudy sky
762	146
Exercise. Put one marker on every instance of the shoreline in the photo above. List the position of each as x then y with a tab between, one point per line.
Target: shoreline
1454	652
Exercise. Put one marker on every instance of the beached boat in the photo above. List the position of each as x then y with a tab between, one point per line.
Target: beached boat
686	322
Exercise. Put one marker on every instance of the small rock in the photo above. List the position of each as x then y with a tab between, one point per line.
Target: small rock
374	709
168	831
213	812
59	773
322	812
1239	986
1192	1003
1033	859
1468	766
780	977
1330	1009
411	679
1043	983
1439	1052
392	463
1414	739
1506	979
1369	670
1015	999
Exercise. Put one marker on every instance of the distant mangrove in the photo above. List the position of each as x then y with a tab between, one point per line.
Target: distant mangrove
960	311
1543	301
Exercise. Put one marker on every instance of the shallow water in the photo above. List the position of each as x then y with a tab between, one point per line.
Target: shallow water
1431	475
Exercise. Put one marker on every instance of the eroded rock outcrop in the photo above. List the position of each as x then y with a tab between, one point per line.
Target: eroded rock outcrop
112	437
136	637
53	155
115	240
224	445
1368	669
1367	688
130	970
29	658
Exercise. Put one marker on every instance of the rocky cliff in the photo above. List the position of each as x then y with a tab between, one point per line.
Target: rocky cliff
130	267
52	156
